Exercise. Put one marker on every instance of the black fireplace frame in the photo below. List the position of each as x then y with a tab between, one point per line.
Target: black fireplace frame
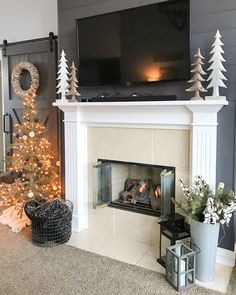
142	209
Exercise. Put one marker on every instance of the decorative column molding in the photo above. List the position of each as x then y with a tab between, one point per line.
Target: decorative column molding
198	116
76	167
203	145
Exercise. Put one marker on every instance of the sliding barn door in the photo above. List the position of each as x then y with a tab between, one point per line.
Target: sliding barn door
42	53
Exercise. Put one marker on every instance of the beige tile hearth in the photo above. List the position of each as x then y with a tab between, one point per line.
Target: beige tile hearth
114	233
149	260
123	249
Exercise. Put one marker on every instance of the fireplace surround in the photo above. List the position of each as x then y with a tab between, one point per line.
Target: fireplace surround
137	187
199	117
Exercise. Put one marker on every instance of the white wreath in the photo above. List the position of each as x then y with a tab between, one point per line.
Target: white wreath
15	78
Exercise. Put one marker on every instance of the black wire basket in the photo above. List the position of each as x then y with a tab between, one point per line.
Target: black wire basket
51	221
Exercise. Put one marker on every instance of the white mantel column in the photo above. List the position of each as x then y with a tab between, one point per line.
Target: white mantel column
76	168
204	142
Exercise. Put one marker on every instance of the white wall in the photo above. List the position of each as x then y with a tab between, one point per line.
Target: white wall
27	19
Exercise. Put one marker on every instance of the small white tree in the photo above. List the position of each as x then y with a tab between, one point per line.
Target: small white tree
216	77
197	77
73	84
62	76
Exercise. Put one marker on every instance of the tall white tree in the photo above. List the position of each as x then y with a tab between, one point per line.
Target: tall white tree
197	77
73	84
216	77
62	76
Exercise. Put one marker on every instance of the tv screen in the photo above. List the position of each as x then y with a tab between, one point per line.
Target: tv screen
144	44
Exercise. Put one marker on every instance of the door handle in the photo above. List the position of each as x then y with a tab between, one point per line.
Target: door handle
6	123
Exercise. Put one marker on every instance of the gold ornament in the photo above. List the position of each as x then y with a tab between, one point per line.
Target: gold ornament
31	134
30	194
25	137
15	78
58	163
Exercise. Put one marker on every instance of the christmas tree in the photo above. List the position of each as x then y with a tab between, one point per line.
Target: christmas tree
73	84
62	76
197	77
31	162
216	77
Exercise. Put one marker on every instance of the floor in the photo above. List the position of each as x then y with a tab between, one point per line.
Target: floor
122	243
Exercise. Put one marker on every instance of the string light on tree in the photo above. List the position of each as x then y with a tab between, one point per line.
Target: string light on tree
31	162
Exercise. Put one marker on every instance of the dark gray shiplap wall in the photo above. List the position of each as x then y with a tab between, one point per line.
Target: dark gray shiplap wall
206	18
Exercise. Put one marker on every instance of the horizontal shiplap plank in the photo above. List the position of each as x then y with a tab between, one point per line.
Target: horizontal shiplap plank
229	55
100	8
64	5
72	4
199	7
205	40
68	42
67	29
225	144
211	22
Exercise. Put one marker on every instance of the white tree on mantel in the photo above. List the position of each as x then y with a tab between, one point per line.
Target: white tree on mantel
216	77
73	84
197	77
62	76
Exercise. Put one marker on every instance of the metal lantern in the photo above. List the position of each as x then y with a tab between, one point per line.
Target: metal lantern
180	266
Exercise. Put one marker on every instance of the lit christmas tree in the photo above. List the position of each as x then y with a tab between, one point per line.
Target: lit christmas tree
216	77
73	84
31	162
197	77
62	76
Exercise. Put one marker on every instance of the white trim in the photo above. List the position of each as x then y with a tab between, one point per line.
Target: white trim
200	117
225	257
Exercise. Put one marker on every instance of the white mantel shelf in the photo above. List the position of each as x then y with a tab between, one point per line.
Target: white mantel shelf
200	117
146	114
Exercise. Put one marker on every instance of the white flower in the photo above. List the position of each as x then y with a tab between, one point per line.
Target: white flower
221	186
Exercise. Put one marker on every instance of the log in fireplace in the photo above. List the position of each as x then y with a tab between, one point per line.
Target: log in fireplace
137	187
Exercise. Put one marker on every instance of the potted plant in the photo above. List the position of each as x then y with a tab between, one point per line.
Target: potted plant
205	211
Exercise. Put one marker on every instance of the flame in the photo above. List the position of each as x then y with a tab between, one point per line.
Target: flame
153	73
142	188
157	192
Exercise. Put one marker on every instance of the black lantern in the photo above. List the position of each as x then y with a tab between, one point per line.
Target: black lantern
175	228
180	266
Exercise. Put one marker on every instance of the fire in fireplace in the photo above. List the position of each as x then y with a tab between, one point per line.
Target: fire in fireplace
137	187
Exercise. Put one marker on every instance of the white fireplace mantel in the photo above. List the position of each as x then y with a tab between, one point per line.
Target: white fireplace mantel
200	117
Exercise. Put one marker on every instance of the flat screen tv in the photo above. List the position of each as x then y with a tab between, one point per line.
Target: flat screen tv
138	45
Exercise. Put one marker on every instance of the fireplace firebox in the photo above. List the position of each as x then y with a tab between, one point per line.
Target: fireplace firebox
137	187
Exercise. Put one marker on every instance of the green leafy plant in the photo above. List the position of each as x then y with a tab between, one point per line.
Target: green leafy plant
202	205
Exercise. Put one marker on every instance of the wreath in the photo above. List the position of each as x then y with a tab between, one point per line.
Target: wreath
15	78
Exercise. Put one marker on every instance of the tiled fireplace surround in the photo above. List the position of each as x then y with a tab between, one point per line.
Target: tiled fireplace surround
175	133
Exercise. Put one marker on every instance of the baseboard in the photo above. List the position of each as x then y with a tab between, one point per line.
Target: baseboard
225	257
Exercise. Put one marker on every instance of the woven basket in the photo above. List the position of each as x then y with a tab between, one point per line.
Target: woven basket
50	221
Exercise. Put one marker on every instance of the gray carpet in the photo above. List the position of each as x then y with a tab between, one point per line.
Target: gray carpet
26	269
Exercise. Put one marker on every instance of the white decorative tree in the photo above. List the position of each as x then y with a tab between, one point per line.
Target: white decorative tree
197	77
62	76
216	77
73	84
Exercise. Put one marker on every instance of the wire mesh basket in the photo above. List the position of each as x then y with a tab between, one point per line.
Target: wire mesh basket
51	221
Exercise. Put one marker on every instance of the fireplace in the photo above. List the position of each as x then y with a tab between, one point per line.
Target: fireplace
137	187
199	118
